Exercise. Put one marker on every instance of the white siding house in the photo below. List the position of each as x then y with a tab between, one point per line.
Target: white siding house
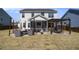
4	18
73	15
40	16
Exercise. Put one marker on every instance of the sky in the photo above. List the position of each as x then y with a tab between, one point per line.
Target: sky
15	14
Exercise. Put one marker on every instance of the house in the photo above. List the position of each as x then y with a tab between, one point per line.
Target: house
5	19
73	15
36	19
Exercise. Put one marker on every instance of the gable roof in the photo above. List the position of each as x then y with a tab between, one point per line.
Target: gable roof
37	10
2	11
73	11
38	16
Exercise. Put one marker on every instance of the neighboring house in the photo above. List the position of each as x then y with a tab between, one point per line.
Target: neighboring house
5	19
73	15
35	18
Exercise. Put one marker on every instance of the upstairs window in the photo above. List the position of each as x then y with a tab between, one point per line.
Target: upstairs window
42	13
32	14
23	15
51	15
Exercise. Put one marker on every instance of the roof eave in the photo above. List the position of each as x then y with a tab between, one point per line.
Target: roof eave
23	11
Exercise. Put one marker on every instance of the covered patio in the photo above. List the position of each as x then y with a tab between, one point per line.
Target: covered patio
39	24
59	25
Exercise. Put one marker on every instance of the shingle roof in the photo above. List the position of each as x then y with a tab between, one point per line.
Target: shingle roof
38	10
73	11
2	11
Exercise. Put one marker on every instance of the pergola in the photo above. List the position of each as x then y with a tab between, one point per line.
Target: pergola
61	23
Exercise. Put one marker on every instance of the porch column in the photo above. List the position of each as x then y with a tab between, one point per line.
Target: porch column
51	29
41	25
34	27
47	26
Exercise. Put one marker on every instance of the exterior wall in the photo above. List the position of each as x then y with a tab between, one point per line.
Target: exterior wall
4	19
25	20
46	15
74	19
38	18
28	16
37	14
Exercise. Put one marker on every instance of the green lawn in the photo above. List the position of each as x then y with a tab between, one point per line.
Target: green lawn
39	42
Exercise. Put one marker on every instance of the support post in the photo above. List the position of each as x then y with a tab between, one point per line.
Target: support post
47	26
30	25
34	26
56	26
13	26
69	26
51	28
61	26
10	27
41	25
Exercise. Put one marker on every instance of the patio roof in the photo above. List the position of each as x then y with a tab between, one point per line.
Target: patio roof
57	20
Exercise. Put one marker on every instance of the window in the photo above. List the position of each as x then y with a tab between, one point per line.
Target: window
23	15
50	15
38	23
32	14
29	24
24	25
42	13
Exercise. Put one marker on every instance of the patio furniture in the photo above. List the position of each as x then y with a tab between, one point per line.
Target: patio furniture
24	32
17	33
41	31
30	32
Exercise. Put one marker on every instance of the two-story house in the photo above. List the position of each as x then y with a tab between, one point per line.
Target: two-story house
35	19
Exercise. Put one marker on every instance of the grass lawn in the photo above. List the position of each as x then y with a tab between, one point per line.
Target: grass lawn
39	42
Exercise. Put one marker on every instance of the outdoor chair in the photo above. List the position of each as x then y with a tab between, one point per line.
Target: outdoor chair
41	31
17	33
30	32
